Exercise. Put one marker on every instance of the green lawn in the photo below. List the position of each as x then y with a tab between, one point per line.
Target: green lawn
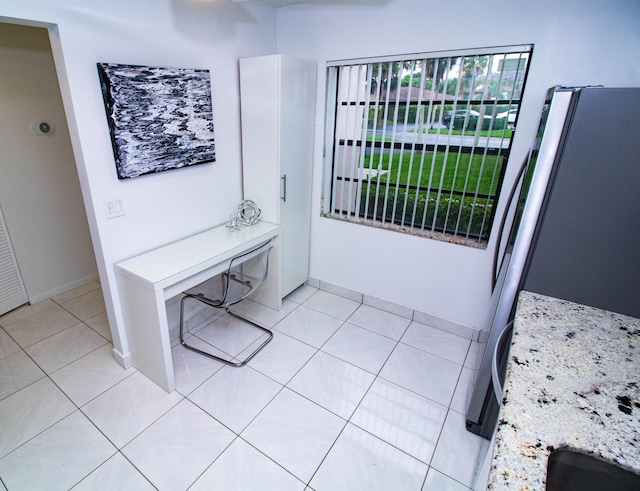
408	171
506	133
446	211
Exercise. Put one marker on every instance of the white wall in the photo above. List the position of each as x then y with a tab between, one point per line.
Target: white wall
39	188
577	42
160	208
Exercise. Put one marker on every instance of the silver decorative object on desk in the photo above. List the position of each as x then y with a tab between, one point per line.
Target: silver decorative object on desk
247	213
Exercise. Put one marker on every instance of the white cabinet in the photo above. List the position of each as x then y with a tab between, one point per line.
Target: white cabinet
277	98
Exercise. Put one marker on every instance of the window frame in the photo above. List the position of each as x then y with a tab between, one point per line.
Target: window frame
332	140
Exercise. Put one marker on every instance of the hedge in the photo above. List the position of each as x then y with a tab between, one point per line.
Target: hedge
453	203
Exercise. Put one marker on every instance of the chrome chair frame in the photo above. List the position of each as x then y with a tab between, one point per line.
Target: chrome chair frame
225	302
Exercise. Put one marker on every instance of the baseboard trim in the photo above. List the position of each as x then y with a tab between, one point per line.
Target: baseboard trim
461	330
123	360
63	288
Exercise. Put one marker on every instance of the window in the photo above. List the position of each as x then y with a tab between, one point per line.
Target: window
419	144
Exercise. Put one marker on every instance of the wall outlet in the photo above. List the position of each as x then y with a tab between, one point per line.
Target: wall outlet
113	208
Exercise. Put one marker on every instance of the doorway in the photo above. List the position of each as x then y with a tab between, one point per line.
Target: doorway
40	191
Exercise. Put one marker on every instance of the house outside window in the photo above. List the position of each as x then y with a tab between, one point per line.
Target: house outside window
419	144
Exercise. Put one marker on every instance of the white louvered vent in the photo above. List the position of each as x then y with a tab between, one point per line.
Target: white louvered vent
12	292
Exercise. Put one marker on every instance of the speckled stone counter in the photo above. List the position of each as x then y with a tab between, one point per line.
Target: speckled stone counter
573	381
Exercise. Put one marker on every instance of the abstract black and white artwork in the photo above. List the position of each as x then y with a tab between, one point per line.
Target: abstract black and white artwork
159	118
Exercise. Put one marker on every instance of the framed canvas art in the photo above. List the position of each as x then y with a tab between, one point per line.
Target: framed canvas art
159	118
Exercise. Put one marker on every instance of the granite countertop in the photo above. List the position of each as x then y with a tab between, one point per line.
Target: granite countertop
573	380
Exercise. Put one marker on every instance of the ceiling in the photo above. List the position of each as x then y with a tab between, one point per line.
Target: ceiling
276	3
282	3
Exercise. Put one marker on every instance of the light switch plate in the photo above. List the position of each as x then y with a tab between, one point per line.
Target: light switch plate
113	208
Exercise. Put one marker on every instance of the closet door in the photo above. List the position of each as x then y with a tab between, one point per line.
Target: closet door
12	292
297	119
278	117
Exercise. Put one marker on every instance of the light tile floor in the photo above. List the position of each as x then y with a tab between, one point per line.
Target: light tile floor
345	396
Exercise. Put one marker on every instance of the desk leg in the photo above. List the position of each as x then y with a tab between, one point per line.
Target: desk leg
148	332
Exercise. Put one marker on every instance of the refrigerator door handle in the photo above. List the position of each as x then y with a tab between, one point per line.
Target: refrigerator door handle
501	229
498	388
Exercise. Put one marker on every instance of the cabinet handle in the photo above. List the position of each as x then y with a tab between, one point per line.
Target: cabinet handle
284	188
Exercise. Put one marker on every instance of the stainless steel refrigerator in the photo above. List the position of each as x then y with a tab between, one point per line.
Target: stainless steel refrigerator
572	226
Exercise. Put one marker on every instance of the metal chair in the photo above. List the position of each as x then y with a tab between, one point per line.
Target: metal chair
245	273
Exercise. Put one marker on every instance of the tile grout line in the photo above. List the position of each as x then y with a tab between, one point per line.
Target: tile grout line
347	421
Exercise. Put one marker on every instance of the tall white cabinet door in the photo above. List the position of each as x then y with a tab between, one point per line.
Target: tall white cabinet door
12	292
278	117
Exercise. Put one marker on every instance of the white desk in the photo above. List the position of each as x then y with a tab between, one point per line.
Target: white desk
148	280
